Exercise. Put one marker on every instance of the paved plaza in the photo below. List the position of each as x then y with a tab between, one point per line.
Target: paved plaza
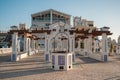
36	68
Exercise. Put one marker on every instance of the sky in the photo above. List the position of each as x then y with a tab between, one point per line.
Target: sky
102	12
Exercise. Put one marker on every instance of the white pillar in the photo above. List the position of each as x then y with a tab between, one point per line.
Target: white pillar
117	49
79	45
51	17
25	43
29	46
104	43
73	43
86	47
24	49
47	53
70	43
18	45
104	47
45	43
119	45
14	46
90	44
37	45
96	47
72	46
33	45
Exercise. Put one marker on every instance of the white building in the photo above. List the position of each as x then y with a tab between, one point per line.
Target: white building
42	20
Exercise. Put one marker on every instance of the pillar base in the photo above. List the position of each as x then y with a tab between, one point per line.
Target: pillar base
14	57
61	61
104	58
86	54
47	57
73	57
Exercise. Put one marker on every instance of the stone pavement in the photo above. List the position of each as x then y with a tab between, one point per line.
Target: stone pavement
35	68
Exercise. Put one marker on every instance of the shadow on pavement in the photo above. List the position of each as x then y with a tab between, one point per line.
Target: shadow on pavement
86	60
24	72
23	67
5	58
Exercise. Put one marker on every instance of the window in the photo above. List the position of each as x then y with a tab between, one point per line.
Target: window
53	60
70	59
61	60
47	57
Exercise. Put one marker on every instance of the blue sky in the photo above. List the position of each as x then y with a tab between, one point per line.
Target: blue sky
102	12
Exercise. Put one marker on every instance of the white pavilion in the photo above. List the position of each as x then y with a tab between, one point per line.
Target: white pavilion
52	34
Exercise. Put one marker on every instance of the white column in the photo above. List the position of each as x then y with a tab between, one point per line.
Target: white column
51	17
104	47
73	47
47	54
45	43
18	45
29	47
25	43
33	45
73	43
50	56
119	45
14	46
90	44
79	45
70	44
85	45
95	46
37	45
104	43
117	49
